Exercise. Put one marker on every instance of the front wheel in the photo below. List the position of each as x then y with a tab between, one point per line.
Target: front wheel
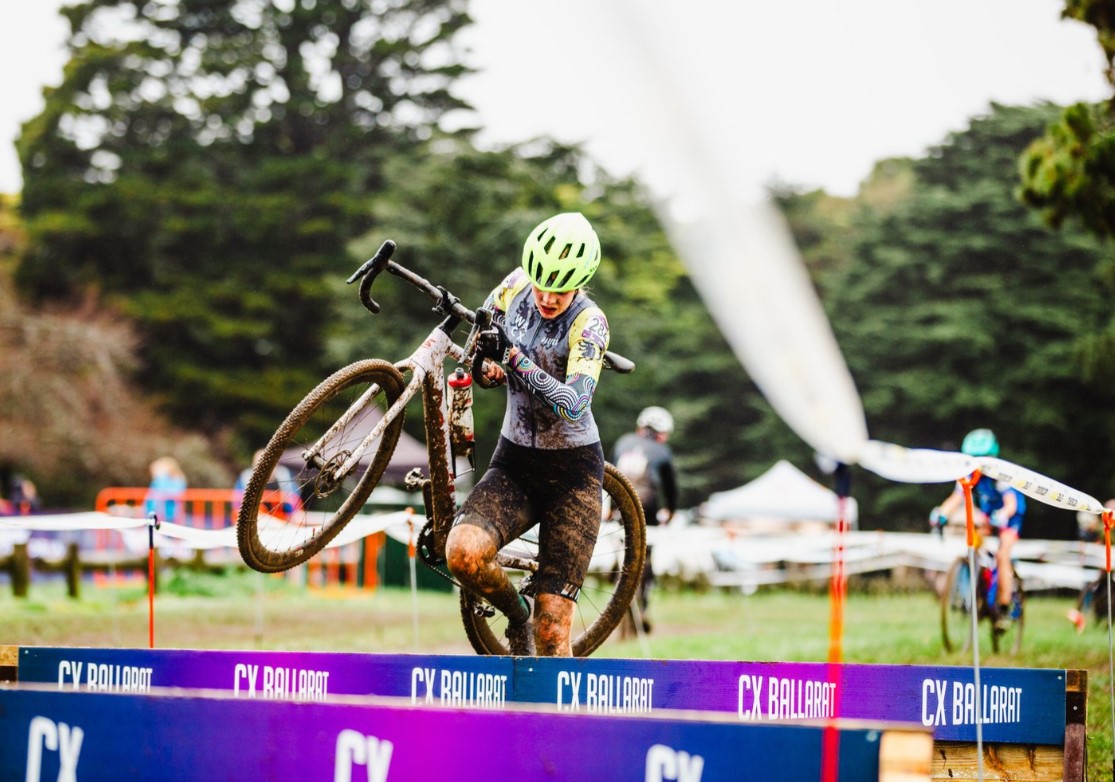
293	506
1009	641
956	608
614	575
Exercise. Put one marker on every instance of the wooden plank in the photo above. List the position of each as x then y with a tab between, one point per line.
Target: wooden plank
9	663
953	760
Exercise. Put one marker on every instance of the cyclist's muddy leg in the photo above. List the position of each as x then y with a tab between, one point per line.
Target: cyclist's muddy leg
470	553
553	625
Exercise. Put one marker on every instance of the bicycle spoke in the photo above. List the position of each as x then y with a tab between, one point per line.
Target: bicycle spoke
283	526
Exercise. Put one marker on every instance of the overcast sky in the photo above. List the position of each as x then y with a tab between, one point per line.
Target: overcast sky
812	92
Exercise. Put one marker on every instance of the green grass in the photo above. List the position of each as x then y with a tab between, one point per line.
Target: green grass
248	611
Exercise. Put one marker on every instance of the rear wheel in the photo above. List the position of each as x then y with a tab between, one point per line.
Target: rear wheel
279	527
956	608
614	575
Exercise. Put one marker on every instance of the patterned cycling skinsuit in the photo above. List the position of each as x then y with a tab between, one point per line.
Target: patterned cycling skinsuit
548	467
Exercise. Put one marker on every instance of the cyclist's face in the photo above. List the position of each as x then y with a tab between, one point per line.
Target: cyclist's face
550	304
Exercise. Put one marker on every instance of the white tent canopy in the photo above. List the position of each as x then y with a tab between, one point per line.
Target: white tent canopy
781	493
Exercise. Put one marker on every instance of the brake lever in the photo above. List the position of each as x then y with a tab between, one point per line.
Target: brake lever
483	321
368	272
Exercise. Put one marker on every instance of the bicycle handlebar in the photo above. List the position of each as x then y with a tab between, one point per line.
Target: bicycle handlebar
444	302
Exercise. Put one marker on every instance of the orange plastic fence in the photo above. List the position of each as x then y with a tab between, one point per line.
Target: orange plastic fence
351	566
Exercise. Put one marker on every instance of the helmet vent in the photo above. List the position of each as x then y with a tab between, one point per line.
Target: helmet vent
549	243
581	252
565	252
565	279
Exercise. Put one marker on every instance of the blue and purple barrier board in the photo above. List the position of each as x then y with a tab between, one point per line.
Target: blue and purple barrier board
1019	706
48	734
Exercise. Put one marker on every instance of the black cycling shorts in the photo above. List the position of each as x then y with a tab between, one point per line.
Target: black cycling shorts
560	490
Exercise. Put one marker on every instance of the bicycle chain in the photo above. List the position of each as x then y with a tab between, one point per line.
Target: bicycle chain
426	552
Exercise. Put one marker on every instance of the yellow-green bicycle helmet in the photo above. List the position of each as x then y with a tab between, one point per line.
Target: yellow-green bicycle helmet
562	253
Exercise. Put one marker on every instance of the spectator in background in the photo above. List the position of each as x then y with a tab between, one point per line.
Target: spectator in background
1089	526
25	496
164	493
648	463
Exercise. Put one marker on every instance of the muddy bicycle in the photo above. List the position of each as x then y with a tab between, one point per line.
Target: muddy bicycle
957	606
345	431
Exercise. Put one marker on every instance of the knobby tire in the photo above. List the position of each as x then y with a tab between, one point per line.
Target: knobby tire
485	632
324	515
956	608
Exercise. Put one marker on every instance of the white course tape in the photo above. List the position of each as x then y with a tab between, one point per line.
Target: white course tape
915	465
170	533
1038	486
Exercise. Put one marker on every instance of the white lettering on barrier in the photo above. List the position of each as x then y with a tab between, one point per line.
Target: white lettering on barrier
569	682
356	749
604	693
750	697
70	671
105	677
787	699
458	688
934	690
292	684
666	763
54	737
998	704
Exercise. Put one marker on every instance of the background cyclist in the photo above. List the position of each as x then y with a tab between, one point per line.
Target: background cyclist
648	463
1002	506
548	341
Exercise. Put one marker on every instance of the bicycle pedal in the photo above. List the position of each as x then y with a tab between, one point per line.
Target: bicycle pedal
415	480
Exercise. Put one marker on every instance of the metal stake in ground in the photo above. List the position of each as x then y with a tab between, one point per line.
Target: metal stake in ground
152	525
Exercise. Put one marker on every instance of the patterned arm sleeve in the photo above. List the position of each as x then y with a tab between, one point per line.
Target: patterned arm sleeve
588	339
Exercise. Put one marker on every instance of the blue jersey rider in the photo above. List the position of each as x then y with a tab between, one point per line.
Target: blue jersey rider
1001	506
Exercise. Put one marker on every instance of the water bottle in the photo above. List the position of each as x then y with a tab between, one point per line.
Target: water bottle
462	438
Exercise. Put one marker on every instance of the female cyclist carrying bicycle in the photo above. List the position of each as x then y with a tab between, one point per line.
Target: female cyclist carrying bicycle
1002	506
547	342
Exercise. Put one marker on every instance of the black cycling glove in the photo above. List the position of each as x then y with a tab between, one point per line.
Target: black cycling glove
492	343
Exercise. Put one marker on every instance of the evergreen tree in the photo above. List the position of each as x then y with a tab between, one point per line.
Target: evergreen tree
204	163
961	311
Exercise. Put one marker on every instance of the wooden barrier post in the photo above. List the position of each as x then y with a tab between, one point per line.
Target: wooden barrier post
19	566
73	571
1076	726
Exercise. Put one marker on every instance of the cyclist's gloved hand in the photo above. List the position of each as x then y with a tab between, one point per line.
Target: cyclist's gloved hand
999	518
937	517
492	343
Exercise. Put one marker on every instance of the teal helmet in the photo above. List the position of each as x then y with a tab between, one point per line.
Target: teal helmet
562	253
980	442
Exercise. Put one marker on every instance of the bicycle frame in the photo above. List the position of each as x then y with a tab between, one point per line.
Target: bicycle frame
426	366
